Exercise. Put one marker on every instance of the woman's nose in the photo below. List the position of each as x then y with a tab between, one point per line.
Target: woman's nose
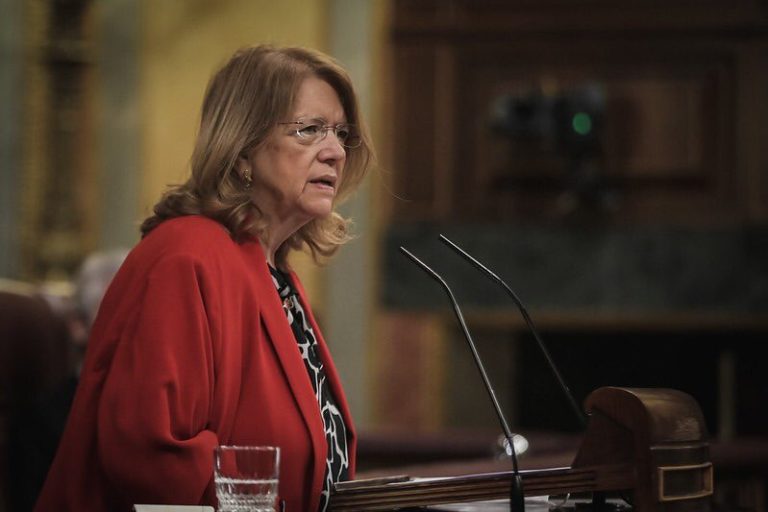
332	148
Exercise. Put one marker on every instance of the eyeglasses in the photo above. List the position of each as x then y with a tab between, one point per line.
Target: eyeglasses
312	131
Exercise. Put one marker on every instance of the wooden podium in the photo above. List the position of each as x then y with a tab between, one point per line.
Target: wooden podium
647	444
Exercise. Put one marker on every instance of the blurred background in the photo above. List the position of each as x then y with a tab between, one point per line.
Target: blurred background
606	158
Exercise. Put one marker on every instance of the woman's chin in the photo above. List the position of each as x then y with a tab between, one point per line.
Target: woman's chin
318	209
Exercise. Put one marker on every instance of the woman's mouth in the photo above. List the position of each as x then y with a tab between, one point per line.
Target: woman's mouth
325	182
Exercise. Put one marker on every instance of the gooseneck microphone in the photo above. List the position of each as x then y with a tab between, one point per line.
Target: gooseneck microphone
461	252
517	499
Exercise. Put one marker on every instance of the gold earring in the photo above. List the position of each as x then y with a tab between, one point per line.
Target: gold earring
247	178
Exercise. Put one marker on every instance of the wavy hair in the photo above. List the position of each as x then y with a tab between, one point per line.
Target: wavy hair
244	101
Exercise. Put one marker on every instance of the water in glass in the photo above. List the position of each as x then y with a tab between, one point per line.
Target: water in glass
246	495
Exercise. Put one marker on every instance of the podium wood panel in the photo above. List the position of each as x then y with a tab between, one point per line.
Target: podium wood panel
648	443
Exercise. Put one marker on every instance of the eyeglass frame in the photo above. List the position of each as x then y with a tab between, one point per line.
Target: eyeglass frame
324	129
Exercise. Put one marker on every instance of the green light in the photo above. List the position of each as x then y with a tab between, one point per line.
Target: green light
582	123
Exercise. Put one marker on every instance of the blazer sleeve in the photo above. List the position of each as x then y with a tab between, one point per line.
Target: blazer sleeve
154	441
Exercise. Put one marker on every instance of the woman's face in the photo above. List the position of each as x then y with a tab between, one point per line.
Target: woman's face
295	182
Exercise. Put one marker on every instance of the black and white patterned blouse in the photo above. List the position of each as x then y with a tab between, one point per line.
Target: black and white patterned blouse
337	459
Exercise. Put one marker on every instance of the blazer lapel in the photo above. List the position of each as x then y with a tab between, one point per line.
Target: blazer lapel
283	340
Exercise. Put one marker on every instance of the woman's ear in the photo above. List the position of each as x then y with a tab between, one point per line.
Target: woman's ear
243	163
244	170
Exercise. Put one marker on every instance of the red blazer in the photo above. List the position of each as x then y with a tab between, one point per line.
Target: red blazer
191	349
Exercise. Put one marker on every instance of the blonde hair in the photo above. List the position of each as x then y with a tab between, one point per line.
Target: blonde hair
244	101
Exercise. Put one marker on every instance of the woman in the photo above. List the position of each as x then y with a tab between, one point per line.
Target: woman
195	344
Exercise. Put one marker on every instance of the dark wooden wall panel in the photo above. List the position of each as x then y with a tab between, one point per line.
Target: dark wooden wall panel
414	128
485	17
675	121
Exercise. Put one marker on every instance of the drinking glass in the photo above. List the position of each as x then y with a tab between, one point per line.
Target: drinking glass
246	478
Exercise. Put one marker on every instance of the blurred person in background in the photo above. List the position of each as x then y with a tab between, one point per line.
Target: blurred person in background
205	336
90	285
46	339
